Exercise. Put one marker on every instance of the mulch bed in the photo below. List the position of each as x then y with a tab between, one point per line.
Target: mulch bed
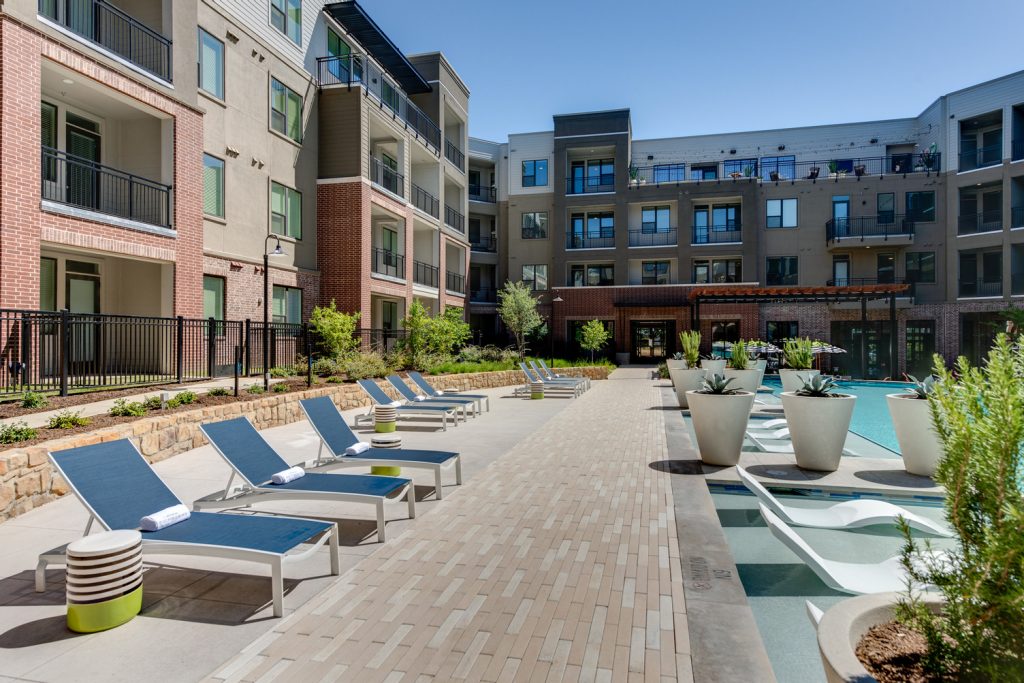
893	653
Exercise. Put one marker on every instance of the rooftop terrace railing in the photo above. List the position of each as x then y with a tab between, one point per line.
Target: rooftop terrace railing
884	225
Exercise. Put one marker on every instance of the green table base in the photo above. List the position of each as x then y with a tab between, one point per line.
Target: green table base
384	427
537	397
100	616
387	471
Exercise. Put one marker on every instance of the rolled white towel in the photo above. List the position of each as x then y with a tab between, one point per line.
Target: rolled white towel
395	404
357	448
420	397
164	518
439	392
290	474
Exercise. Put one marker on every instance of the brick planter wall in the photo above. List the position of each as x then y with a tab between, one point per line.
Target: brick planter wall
27	479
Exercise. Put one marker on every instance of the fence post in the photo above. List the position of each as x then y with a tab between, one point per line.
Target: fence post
211	346
65	349
309	357
238	365
26	350
248	347
181	349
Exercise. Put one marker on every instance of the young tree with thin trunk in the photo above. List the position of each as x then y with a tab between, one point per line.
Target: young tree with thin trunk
518	310
593	337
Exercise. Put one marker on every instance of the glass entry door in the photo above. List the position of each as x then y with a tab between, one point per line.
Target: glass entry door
652	340
82	297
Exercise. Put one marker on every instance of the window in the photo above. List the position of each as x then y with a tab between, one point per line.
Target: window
591	226
885	203
593	175
286	17
725	331
725	217
840	166
213	297
885	267
211	65
921	206
841	270
535	173
740	168
717	270
778	168
920	266
535	225
213	186
780	213
920	347
654	219
596	275
389	240
346	67
669	173
285	211
389	315
781	270
703	171
655	272
287	306
536	276
285	110
777	330
47	284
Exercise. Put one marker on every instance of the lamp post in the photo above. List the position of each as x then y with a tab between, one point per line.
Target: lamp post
551	328
278	251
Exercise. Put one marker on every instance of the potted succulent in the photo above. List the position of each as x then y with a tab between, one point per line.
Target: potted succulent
818	418
740	370
720	417
912	418
690	378
798	354
634	174
676	362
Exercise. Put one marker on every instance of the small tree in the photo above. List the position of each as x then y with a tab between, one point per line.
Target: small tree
518	310
416	324
336	330
593	337
446	331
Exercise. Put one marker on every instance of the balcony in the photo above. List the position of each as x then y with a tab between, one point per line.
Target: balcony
454	219
389	263
981	157
887	227
115	31
425	202
479	193
605	241
716	234
656	238
386	178
484	295
986	221
594	184
352	70
425	274
482	243
455	155
1018	150
74	181
454	282
980	289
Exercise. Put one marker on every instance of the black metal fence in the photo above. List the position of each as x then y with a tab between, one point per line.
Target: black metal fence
388	178
984	221
455	282
424	201
425	274
606	240
454	154
482	243
981	157
716	234
390	263
652	238
480	193
884	225
454	219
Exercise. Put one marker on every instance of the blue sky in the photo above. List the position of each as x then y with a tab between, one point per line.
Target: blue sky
688	68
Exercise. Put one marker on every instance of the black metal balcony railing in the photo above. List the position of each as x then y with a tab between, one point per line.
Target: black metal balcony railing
652	238
483	243
970	288
454	282
1017	217
484	295
358	70
386	177
425	202
604	183
454	219
68	179
479	193
1018	150
603	241
862	281
981	157
425	274
884	225
654	280
387	262
718	234
986	221
455	155
534	233
111	28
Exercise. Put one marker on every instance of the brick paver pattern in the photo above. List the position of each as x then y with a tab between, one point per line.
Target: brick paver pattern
559	562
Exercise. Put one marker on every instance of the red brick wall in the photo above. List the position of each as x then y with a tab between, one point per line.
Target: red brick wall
243	286
343	245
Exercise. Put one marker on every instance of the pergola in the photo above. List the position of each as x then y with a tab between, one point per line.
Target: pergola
774	295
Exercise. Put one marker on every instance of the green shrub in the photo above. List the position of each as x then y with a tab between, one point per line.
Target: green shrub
798	353
255	389
218	391
663	370
31	399
739	358
17	431
367	366
335	330
124	408
335	379
153	403
279	388
280	372
67	419
690	343
183	398
327	366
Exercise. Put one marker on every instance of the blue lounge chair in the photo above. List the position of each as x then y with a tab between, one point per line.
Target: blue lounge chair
546	376
550	374
549	386
255	461
330	426
420	381
408	394
118	488
423	408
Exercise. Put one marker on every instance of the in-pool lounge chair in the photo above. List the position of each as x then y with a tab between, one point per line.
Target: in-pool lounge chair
762	425
425	386
582	382
419	408
463	404
118	488
255	461
330	426
554	375
783	449
549	386
849	514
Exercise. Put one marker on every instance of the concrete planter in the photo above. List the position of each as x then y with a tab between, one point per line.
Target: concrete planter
793	380
674	364
744	380
919	443
761	364
719	421
818	428
684	381
716	366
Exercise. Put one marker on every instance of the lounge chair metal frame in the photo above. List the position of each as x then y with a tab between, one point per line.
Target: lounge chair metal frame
756	439
552	387
406	408
421	381
453	401
551	374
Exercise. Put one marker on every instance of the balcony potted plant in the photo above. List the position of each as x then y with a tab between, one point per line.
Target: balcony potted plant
798	355
634	174
741	370
720	417
818	418
912	418
691	377
748	171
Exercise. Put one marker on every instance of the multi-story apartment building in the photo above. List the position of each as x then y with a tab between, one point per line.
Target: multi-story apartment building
153	152
924	215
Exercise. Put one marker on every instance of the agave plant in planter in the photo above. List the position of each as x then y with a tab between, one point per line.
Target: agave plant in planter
745	376
690	377
720	416
798	355
818	418
676	362
912	418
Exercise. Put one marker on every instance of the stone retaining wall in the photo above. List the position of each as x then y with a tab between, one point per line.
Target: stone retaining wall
27	479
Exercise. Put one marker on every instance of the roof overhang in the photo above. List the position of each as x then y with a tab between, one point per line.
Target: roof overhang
741	295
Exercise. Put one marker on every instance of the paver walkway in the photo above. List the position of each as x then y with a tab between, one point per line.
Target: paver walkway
561	564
